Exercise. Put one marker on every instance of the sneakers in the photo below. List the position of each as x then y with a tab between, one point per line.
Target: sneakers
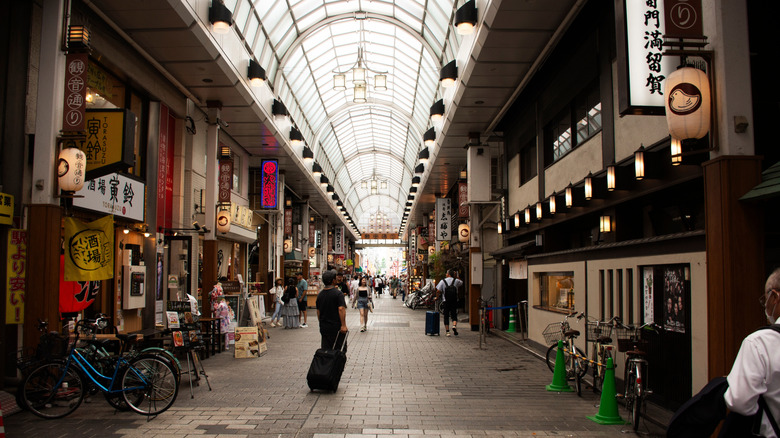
455	331
304	325
273	324
362	329
448	333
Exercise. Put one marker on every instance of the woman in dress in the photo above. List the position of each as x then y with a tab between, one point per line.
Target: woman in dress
363	298
277	292
290	310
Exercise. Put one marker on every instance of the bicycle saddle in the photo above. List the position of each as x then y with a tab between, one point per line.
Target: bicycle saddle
604	340
636	353
572	333
126	338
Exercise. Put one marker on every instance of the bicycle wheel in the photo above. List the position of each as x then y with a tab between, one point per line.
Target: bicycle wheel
578	382
636	408
150	385
600	370
53	390
630	393
552	354
581	367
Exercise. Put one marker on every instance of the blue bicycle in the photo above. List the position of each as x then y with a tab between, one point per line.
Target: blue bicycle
148	383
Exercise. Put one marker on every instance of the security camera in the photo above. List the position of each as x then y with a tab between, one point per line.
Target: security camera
196	225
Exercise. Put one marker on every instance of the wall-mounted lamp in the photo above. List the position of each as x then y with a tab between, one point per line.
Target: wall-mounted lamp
420	168
424	155
126	230
296	138
307	155
416	181
330	189
256	74
552	204
324	181
224	152
278	109
437	111
676	151
410	197
316	170
611	177
78	37
220	17
527	214
569	196
605	224
448	74
463	174
429	138
538	211
288	202
639	163
500	227
517	219
466	18
589	187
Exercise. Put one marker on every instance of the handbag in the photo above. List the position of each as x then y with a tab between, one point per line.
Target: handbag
370	306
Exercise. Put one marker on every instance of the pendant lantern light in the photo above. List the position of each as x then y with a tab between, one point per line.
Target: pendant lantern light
223	221
687	99
464	232
72	164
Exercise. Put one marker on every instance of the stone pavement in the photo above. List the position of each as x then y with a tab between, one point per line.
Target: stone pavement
397	383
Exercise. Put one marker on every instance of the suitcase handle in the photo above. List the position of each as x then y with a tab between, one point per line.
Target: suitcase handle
344	344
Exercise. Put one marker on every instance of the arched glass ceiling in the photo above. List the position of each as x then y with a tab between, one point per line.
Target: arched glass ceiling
301	43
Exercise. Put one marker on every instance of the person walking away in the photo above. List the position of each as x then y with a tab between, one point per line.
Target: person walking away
394	285
331	313
363	298
353	288
378	285
448	290
277	292
756	370
290	312
303	287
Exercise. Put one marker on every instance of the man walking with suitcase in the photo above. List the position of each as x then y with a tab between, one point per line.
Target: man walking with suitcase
332	313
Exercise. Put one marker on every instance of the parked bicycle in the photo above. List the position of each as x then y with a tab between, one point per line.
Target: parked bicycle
484	320
599	333
147	382
576	361
631	343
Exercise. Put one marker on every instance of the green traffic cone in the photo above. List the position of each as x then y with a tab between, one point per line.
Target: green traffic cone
608	409
559	382
512	322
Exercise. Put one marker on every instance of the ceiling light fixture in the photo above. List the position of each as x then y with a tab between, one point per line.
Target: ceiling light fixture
448	74
220	17
466	18
256	74
429	138
437	111
296	138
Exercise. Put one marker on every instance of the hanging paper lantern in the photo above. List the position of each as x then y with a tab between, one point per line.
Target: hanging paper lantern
223	221
463	232
431	250
70	169
312	252
288	246
687	100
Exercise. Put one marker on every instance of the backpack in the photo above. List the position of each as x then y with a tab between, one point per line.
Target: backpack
701	415
450	292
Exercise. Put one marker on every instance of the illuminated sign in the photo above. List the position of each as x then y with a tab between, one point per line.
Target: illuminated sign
117	194
269	184
6	209
110	141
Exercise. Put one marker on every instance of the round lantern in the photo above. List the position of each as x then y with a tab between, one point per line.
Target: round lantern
687	100
431	250
223	221
288	246
463	232
312	252
70	169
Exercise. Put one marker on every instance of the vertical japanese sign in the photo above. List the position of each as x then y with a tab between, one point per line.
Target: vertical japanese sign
312	231
75	92
338	240
225	180
288	221
647	67
16	281
647	285
463	197
443	219
89	249
432	232
683	18
6	209
165	168
269	183
413	247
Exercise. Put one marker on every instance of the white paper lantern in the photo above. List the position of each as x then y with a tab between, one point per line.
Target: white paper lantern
223	221
312	252
687	100
431	250
288	246
71	166
463	232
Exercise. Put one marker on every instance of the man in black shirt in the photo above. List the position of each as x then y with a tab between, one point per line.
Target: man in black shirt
331	312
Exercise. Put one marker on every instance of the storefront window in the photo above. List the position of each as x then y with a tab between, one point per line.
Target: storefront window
556	290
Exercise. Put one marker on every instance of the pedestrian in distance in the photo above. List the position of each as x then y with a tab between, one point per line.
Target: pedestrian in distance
277	292
756	370
448	291
302	287
332	313
363	299
290	312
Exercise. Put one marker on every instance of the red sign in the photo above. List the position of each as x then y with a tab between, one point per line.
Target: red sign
683	18
76	296
463	197
165	168
225	180
75	104
288	221
270	183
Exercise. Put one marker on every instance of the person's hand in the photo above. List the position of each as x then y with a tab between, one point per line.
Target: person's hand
344	329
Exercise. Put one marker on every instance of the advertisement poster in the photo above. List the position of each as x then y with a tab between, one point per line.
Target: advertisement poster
674	290
247	343
648	295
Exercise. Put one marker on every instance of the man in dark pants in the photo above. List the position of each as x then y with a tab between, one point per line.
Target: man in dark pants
331	312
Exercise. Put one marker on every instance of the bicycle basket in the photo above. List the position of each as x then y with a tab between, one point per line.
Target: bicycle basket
595	332
628	339
552	333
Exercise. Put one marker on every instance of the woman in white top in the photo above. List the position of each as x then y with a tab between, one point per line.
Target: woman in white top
276	293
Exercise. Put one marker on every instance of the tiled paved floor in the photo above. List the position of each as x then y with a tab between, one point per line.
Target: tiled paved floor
398	382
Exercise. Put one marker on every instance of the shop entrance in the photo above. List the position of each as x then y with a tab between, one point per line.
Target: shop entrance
666	291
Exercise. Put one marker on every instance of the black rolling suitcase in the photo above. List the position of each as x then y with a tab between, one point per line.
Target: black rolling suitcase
327	366
432	323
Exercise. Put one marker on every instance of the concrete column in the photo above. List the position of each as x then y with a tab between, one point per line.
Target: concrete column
212	184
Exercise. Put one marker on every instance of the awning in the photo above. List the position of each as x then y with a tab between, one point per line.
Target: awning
510	251
769	186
